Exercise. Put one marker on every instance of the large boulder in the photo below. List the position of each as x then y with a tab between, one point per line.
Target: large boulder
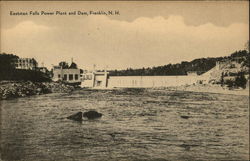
92	114
76	117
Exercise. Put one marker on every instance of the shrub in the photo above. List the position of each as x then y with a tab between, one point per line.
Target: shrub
240	80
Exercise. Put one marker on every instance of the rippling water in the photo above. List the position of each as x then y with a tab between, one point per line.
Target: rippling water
136	125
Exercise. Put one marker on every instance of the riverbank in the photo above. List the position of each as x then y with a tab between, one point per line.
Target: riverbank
15	89
205	88
210	88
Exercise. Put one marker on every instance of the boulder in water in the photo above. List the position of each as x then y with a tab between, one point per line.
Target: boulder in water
92	114
76	117
185	117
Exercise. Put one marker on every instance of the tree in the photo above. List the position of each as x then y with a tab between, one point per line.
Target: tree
240	80
200	65
222	79
7	65
8	70
7	61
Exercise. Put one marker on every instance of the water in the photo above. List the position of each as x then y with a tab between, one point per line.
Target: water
136	125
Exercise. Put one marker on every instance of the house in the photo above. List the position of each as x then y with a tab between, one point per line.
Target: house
26	63
69	74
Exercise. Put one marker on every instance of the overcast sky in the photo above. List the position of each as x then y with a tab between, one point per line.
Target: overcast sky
145	34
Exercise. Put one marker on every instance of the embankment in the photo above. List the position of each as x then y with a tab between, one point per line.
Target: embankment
209	88
14	89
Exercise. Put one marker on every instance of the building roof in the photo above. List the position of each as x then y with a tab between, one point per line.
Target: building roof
73	66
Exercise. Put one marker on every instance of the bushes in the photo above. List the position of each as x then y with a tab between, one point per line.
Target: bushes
239	81
26	75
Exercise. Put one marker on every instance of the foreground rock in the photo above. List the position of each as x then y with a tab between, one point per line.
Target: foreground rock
185	117
76	117
89	115
14	89
92	114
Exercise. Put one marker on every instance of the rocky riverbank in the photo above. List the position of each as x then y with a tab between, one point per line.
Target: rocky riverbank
14	89
210	88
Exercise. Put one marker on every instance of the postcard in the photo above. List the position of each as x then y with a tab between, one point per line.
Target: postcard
124	80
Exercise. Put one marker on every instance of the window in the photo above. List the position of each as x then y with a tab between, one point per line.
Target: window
98	83
65	77
59	76
76	76
89	77
70	76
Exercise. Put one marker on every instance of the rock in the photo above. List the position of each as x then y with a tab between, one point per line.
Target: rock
185	117
39	89
10	89
76	117
92	114
23	95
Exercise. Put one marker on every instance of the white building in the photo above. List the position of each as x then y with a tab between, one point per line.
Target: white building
95	79
69	75
26	63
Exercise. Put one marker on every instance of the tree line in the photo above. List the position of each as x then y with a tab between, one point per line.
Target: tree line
200	65
8	70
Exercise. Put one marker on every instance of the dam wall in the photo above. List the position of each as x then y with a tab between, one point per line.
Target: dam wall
151	81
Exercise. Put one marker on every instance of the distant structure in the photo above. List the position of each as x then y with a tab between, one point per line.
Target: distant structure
96	79
26	63
69	74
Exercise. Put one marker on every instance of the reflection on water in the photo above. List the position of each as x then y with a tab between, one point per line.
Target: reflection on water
136	125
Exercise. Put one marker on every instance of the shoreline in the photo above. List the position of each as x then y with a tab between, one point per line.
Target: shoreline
209	88
206	88
16	89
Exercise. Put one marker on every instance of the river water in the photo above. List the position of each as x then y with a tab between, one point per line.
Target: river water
136	125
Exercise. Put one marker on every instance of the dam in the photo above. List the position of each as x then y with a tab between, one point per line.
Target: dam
151	81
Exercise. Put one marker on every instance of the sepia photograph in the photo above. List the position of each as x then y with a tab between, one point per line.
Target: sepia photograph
124	80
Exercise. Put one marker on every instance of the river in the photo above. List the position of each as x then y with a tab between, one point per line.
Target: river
137	124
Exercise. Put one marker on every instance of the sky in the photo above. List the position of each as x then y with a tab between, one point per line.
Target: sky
144	34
